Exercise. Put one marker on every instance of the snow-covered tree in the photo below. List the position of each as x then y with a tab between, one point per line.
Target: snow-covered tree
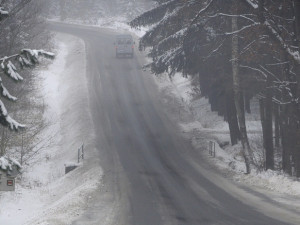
10	63
198	38
7	164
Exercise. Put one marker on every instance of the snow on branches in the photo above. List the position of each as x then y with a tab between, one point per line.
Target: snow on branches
8	163
154	15
270	24
3	12
253	3
26	58
29	57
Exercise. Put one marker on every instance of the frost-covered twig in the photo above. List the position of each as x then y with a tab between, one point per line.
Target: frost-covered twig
244	16
294	54
255	69
242	29
253	3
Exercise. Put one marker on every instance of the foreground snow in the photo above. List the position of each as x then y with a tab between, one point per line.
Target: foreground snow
45	194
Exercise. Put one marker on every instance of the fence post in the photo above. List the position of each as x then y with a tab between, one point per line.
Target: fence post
80	153
212	149
78	156
292	166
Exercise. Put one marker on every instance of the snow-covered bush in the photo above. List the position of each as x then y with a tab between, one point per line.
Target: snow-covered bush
8	163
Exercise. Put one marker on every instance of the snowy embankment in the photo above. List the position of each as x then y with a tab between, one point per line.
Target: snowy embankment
201	125
45	194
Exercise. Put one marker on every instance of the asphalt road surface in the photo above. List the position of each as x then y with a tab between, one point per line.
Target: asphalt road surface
152	175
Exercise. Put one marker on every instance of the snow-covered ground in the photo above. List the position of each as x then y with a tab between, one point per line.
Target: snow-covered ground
49	197
115	15
46	195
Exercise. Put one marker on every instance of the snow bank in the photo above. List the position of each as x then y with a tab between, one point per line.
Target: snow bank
46	195
204	126
275	181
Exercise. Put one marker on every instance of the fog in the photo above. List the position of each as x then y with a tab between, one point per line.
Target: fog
93	11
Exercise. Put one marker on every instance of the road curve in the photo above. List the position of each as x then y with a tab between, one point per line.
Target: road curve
150	177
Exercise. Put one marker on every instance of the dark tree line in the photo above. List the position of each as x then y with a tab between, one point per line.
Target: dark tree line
238	49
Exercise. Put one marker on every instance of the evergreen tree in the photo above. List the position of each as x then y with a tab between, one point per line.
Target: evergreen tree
25	58
195	38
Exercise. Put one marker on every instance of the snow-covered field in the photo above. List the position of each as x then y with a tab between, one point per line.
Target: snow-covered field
46	195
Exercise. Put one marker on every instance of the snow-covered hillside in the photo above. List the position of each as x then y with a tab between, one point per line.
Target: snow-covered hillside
104	13
45	195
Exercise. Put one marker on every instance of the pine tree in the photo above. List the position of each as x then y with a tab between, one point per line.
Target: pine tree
25	58
193	37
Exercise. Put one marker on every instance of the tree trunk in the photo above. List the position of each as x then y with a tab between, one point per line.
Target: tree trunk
296	104
284	140
231	116
2	147
262	120
285	124
238	97
269	127
247	103
297	20
276	108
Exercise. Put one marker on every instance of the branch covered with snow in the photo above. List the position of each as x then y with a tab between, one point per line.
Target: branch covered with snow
8	163
3	12
26	58
6	120
253	3
29	57
294	54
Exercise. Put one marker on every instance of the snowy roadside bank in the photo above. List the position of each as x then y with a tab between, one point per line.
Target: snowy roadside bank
46	195
108	23
200	125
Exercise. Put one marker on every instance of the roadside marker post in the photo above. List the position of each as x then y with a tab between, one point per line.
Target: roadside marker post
7	183
212	148
81	153
80	156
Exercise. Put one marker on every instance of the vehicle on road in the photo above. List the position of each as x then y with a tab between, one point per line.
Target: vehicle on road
124	45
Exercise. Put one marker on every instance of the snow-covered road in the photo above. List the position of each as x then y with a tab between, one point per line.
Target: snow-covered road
152	175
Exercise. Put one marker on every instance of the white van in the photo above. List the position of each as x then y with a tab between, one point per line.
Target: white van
124	45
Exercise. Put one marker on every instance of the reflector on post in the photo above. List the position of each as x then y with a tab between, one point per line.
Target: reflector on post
10	182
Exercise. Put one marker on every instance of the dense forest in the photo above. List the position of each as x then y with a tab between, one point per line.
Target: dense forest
237	50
